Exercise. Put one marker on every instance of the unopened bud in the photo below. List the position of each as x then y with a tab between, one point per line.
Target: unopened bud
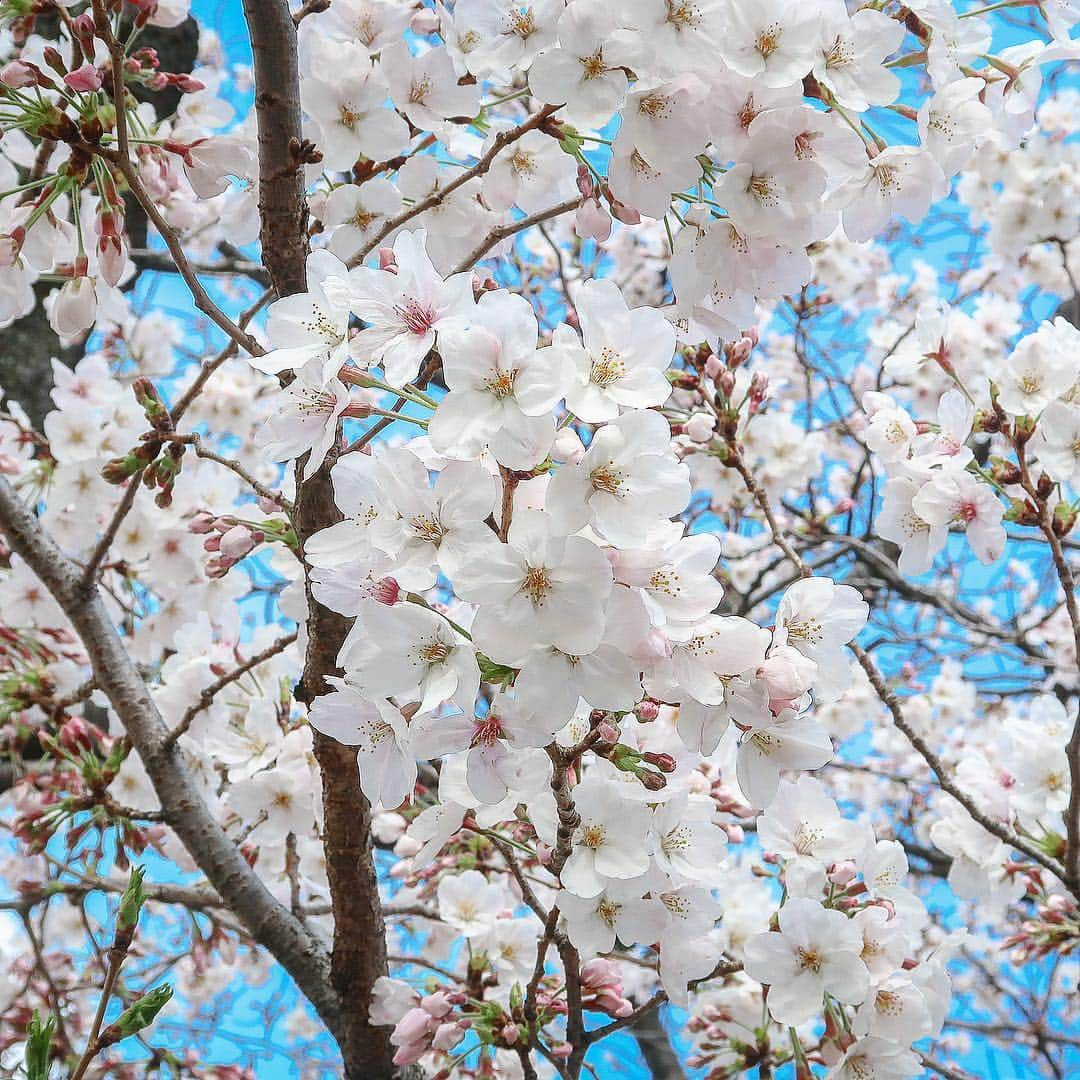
425	21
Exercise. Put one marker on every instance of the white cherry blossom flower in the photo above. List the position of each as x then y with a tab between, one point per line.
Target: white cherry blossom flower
625	483
425	88
380	734
788	741
312	327
610	843
815	953
410	653
404	310
586	72
540	588
625	353
502	388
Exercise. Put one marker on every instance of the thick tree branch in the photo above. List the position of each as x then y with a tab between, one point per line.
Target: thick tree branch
359	948
272	925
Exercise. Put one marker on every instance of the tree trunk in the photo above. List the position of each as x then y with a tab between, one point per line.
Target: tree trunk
359	950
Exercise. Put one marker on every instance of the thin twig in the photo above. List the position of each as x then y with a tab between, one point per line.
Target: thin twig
206	698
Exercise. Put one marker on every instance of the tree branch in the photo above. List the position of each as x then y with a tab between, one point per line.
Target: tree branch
268	922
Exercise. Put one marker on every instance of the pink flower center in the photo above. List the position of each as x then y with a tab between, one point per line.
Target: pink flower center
487	731
417	317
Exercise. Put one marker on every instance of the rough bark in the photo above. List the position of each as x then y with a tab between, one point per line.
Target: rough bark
359	949
282	205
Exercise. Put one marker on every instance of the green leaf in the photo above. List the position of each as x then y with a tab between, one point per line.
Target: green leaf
496	674
131	901
137	1016
38	1043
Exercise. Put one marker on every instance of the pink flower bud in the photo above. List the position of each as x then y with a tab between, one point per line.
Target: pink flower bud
18	74
740	352
510	1033
74	308
647	710
567	447
842	873
112	258
387	260
386	592
424	22
435	1004
202	522
608	732
186	84
700	427
626	214
447	1036
592	221
713	366
87	78
411	1028
585	183
75	734
237	542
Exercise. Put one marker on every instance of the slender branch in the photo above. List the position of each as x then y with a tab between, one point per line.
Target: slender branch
268	922
512	228
115	960
206	698
234	466
887	696
500	143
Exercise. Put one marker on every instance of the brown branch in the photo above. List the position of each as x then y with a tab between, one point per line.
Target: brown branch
1068	585
500	143
512	228
267	921
282	207
234	466
206	698
359	944
888	697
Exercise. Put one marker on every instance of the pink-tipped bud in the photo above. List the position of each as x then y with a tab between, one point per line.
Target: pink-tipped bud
387	260
585	183
86	78
386	592
425	21
201	523
647	710
842	873
626	214
592	221
608	731
186	84
18	73
237	542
